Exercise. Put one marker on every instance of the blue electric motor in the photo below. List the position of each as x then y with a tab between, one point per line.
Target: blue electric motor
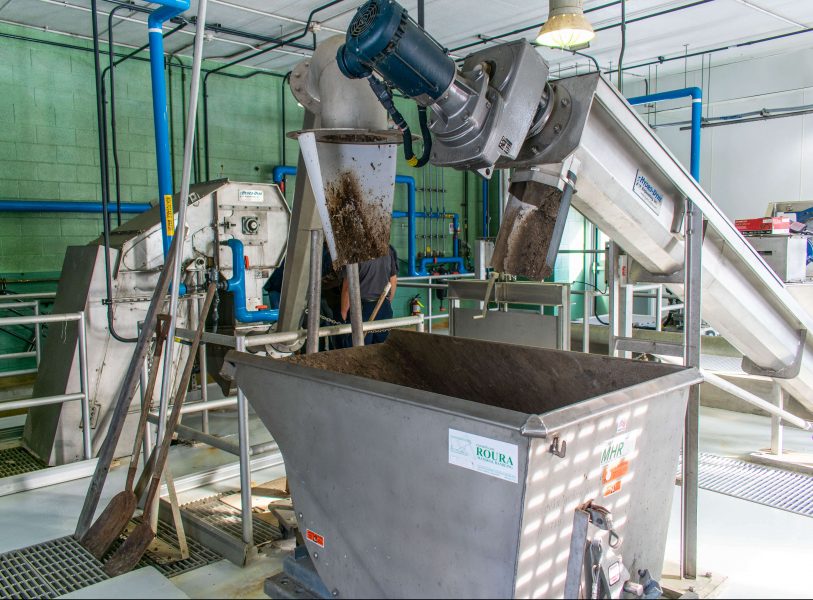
383	38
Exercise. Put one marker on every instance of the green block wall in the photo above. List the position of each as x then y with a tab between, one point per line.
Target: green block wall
49	149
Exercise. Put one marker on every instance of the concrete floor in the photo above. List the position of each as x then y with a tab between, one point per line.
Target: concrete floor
762	551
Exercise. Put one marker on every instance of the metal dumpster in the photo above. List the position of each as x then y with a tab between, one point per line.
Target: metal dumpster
430	466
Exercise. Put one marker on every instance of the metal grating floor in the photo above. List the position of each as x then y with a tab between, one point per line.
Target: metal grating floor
48	570
777	488
17	460
218	515
61	566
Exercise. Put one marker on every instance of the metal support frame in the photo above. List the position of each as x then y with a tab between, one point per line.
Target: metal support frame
777	430
245	457
691	437
315	291
356	317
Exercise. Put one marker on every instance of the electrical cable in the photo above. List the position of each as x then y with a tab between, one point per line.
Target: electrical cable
384	95
623	46
101	122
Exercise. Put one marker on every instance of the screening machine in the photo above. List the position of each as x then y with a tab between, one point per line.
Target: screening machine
225	220
438	467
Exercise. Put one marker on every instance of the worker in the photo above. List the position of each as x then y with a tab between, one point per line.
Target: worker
373	278
330	295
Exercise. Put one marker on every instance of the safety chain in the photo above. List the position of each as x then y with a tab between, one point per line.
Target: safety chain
335	322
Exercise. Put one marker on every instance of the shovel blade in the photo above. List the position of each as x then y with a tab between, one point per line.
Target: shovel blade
127	556
107	528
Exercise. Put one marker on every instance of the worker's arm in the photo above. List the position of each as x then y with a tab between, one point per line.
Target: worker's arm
345	303
393	285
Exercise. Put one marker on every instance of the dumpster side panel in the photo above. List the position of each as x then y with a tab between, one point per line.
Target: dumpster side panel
624	460
383	511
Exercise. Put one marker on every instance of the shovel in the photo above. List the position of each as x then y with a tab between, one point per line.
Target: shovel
119	511
131	551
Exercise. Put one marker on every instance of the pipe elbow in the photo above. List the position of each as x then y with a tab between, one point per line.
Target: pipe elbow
281	171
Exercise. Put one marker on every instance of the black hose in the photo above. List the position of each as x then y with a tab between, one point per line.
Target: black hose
384	95
101	122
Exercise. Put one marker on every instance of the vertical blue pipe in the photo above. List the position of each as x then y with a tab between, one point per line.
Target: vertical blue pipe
696	94
485	207
237	286
411	221
169	10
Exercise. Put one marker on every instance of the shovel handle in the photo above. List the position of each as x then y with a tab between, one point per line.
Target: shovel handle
161	331
180	396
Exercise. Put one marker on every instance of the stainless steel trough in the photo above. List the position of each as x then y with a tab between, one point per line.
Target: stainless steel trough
424	467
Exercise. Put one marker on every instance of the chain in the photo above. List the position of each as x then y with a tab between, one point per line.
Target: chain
330	321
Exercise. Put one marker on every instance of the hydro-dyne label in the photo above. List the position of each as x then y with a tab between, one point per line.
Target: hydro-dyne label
647	192
255	196
484	455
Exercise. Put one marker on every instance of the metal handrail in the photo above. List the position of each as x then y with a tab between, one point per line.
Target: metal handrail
82	395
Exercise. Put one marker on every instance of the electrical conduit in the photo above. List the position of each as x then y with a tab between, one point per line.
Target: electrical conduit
168	10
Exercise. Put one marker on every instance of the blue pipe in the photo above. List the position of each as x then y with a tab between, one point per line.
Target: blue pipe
281	171
237	286
485	207
52	206
168	10
425	262
412	223
696	94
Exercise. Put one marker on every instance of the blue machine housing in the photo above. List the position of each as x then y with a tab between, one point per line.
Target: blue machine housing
383	38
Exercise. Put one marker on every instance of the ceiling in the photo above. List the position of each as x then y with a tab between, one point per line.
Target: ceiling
686	26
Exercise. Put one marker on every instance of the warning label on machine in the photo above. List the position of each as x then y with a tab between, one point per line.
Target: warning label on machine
484	455
315	538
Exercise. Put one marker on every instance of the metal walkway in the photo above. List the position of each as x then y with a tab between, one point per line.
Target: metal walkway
58	567
777	488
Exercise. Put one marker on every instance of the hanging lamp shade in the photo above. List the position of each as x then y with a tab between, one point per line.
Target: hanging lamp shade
566	27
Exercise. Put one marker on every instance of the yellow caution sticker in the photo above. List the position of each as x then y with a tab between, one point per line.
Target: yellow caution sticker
170	215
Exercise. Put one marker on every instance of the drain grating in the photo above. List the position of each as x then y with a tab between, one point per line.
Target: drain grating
199	555
221	516
48	570
777	488
15	461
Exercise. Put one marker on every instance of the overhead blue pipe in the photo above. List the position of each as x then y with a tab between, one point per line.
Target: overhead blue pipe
696	94
52	206
281	171
237	286
168	10
485	207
